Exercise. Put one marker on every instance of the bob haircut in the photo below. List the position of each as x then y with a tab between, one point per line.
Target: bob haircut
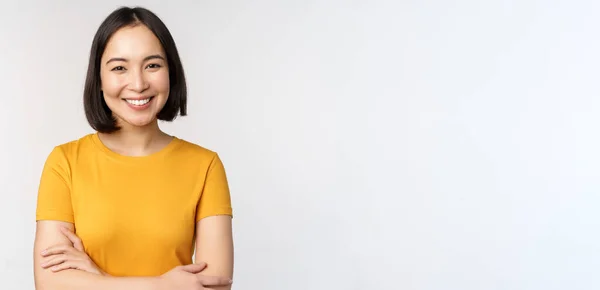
98	115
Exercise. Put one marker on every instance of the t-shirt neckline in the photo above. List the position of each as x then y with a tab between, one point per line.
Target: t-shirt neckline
151	157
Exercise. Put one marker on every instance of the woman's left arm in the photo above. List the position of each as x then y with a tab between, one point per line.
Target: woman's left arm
214	246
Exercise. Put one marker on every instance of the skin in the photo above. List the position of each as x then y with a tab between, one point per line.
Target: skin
134	66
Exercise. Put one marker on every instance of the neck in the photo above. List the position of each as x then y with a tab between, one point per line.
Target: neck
136	141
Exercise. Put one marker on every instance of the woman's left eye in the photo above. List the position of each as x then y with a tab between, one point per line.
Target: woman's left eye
154	65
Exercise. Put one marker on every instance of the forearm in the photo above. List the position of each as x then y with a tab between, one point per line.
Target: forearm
218	273
76	280
223	269
228	287
214	246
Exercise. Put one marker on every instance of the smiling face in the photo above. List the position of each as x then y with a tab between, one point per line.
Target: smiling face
134	76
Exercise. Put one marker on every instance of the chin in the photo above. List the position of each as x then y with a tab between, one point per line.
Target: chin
138	121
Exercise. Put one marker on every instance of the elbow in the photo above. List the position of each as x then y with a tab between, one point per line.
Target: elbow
44	279
45	284
42	285
64	280
39	282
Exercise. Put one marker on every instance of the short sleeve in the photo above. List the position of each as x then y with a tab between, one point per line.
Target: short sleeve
215	197
54	192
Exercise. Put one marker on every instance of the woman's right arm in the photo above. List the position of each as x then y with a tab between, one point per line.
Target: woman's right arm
48	234
53	204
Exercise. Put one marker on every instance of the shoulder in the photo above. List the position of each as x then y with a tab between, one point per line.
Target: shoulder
62	157
197	153
192	149
69	150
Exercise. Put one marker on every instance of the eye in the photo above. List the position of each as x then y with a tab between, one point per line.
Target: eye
117	68
154	65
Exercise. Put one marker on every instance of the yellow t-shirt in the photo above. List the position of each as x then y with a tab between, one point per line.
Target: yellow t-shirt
136	216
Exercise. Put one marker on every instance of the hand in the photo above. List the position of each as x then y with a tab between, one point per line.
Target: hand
187	277
64	257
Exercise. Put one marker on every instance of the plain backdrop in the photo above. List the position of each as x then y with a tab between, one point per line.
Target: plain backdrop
414	145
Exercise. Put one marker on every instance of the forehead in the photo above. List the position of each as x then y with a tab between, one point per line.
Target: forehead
133	42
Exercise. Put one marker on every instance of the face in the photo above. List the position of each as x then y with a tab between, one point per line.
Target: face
134	76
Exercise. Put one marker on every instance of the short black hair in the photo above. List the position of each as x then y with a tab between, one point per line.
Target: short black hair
98	115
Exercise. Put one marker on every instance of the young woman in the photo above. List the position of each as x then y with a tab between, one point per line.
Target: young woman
127	206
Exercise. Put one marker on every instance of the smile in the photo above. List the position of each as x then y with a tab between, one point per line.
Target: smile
140	102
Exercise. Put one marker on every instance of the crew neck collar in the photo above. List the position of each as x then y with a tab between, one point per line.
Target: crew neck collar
154	156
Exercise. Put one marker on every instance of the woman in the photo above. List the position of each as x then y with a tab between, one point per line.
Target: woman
127	206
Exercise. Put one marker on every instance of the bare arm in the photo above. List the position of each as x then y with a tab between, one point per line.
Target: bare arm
214	245
48	234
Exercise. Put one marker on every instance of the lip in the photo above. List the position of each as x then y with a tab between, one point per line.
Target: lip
139	108
139	98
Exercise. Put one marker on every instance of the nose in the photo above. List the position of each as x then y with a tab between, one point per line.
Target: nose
138	81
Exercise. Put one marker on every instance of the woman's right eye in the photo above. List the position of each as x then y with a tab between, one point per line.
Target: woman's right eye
118	68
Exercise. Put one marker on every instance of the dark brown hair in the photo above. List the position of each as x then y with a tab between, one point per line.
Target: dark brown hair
98	115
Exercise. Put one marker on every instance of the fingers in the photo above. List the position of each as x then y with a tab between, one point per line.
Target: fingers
201	264
63	266
194	268
63	262
77	244
59	263
61	249
214	280
57	259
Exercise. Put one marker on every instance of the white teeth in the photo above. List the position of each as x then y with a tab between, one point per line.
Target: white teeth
138	102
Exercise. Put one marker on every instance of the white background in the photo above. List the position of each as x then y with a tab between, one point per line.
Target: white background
430	145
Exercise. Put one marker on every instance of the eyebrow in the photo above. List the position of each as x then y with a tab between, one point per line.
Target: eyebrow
147	58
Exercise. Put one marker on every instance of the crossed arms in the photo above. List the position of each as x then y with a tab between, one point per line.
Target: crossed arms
214	247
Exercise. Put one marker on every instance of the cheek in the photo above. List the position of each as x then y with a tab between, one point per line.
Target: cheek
160	82
112	86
